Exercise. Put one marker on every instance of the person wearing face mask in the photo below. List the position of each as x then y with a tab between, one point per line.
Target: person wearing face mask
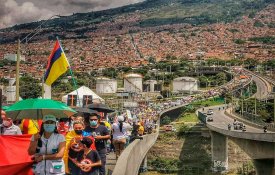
7	127
101	134
72	147
47	148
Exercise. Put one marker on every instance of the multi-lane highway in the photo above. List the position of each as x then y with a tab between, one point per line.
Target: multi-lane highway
220	124
263	86
221	120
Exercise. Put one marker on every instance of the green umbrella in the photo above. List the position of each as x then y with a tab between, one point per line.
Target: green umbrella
5	107
37	108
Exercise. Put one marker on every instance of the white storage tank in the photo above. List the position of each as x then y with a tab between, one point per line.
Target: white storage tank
185	84
105	85
133	82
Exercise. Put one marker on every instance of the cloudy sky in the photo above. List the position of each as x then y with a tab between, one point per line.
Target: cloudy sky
21	11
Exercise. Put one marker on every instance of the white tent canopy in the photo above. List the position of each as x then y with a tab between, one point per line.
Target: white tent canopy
83	90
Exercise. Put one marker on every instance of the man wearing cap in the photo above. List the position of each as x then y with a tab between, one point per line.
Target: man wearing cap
7	127
101	134
47	149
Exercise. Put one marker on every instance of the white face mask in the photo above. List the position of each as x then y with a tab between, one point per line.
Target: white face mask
6	123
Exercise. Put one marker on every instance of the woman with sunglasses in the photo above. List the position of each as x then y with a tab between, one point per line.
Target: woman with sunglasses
47	148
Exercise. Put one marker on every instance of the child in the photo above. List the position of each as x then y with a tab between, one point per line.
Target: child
89	159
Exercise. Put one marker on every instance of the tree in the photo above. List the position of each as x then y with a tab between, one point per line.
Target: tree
152	60
239	41
264	114
203	81
269	64
126	69
142	70
30	87
221	78
251	63
165	120
165	93
110	72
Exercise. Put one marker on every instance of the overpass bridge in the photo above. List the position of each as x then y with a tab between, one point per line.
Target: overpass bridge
258	145
265	86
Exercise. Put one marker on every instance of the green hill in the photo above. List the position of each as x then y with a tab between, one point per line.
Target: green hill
150	13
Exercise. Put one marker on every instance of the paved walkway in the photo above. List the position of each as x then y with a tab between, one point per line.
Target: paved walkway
110	163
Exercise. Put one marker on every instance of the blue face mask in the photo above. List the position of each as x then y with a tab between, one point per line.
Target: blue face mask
49	127
93	123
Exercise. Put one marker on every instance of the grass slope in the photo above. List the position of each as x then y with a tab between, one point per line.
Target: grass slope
161	12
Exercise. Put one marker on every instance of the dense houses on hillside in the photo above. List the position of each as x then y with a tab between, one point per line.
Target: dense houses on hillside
113	46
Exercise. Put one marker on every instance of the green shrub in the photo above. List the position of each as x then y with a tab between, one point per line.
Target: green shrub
265	40
239	41
258	24
165	120
183	129
164	164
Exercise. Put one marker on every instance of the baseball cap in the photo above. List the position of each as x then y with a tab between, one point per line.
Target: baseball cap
120	118
49	117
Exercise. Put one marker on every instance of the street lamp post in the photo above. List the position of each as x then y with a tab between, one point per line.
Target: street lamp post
274	111
255	106
27	38
242	100
17	72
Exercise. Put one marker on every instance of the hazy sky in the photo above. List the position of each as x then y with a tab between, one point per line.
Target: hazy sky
21	11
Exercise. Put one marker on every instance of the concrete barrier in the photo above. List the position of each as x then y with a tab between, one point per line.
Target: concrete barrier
131	158
247	122
266	137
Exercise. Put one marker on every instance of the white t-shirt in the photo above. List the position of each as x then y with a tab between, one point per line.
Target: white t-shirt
12	130
117	134
128	128
50	146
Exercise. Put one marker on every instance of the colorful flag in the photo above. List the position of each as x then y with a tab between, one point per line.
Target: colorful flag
57	64
14	155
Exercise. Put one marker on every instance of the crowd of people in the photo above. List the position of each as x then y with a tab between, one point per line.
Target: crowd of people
79	144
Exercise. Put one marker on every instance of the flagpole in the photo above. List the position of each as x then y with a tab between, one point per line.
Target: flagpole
43	88
71	72
17	72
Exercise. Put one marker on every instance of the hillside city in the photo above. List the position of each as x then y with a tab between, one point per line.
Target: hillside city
246	38
156	87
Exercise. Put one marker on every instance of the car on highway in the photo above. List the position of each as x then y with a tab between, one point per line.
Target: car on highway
238	126
169	128
210	119
210	112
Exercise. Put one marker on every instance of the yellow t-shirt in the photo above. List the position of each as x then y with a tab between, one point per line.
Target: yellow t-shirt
33	127
70	135
108	125
140	129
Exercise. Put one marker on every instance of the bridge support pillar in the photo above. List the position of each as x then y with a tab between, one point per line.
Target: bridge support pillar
264	166
219	149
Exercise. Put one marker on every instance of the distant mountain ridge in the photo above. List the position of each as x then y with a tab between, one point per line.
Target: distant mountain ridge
136	17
